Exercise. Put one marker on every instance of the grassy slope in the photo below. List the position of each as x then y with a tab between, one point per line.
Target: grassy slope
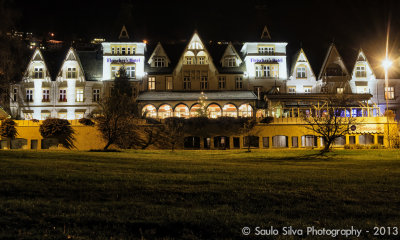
193	194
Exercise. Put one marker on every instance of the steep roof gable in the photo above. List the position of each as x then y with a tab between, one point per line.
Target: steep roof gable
332	57
37	56
71	56
265	34
196	45
159	52
361	57
124	33
300	56
231	51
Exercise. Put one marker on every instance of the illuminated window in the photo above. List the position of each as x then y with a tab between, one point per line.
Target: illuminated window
62	115
15	94
79	94
45	115
123	51
362	89
389	93
96	95
266	50
114	72
79	115
133	50
360	72
229	110
266	70
230	62
238	83
202	60
152	83
29	95
292	90
149	111
112	51
189	60
245	110
258	71
46	95
71	72
159	62
221	82
301	72
168	83
28	116
38	73
307	89
63	95
130	71
339	90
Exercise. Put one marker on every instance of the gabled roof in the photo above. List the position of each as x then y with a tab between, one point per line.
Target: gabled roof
37	56
3	114
55	59
196	39
299	54
332	56
124	33
159	51
71	55
265	34
228	49
361	57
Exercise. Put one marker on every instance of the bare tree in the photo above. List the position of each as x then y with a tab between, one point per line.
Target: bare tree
117	111
331	121
246	130
172	132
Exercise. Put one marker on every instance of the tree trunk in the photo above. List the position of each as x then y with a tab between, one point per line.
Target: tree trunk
107	145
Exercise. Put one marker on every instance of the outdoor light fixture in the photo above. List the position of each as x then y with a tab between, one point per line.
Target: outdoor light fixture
386	64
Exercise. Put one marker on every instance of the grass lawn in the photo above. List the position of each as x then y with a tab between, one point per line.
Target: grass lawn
194	194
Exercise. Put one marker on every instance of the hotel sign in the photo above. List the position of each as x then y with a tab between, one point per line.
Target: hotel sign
265	60
123	60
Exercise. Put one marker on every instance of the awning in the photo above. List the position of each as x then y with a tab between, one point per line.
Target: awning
194	96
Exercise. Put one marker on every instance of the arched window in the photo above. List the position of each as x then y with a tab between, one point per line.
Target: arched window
194	110
214	111
164	111
149	111
245	110
229	110
181	110
260	113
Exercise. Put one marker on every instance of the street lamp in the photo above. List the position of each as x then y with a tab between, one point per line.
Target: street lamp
386	63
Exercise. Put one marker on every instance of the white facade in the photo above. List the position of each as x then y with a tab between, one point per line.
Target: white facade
302	78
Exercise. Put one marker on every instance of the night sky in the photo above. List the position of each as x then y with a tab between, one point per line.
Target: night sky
310	24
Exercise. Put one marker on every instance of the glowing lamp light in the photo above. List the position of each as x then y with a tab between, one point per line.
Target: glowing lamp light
145	41
386	63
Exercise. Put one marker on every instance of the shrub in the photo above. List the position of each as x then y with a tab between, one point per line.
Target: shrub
267	120
8	129
60	129
86	122
347	146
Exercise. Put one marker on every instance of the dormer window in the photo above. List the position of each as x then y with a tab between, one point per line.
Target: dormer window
360	72
230	62
159	62
301	72
71	73
38	73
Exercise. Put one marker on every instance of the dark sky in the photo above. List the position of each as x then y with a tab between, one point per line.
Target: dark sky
313	24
